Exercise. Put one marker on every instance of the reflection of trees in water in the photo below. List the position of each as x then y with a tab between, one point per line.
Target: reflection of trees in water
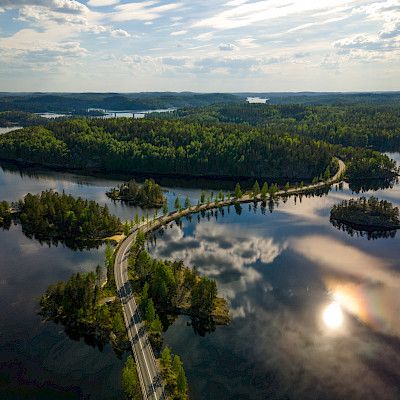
361	186
359	232
72	244
201	326
94	337
5	224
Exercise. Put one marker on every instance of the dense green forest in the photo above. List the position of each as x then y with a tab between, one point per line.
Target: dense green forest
361	125
20	118
50	215
168	147
79	103
174	375
327	98
77	304
148	195
130	381
367	213
286	142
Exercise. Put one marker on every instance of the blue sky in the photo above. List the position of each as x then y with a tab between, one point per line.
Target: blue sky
219	45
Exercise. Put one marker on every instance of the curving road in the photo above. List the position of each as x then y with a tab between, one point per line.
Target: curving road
147	367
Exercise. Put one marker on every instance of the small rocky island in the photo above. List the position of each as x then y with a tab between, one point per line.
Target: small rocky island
366	214
148	195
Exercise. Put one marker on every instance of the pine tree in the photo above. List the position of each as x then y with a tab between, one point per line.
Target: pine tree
287	187
187	202
165	208
150	312
177	204
327	173
238	191
256	189
166	358
181	381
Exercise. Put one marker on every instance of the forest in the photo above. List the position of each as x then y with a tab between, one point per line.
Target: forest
237	140
168	147
20	118
79	103
370	213
358	125
148	195
51	215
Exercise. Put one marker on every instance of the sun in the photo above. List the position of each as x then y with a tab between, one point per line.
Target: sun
333	316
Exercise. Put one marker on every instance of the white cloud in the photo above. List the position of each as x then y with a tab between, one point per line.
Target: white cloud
62	6
102	3
143	11
120	33
206	36
247	42
178	33
227	47
241	14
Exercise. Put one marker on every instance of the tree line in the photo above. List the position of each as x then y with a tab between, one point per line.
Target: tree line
168	147
357	125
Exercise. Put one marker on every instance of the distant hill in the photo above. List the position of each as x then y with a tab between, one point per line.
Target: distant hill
78	103
326	98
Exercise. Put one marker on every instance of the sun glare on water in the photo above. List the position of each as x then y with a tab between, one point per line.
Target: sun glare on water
333	316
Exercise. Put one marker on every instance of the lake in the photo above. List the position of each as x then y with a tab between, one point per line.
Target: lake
10	129
315	311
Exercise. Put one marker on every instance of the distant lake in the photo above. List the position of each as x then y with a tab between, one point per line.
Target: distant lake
113	113
315	311
9	129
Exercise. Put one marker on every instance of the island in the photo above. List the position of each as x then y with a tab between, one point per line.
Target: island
365	214
148	195
54	217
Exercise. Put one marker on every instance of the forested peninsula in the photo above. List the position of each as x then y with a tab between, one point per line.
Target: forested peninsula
167	147
186	148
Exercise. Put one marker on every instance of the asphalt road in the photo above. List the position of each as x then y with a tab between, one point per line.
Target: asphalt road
148	371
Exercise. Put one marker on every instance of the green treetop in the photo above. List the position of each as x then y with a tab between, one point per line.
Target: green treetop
177	204
238	191
256	189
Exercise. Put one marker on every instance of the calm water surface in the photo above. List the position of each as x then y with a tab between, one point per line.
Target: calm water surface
8	129
315	311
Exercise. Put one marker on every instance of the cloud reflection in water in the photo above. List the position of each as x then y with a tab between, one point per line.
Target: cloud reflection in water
224	252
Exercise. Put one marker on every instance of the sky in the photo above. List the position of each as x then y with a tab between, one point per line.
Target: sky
203	46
